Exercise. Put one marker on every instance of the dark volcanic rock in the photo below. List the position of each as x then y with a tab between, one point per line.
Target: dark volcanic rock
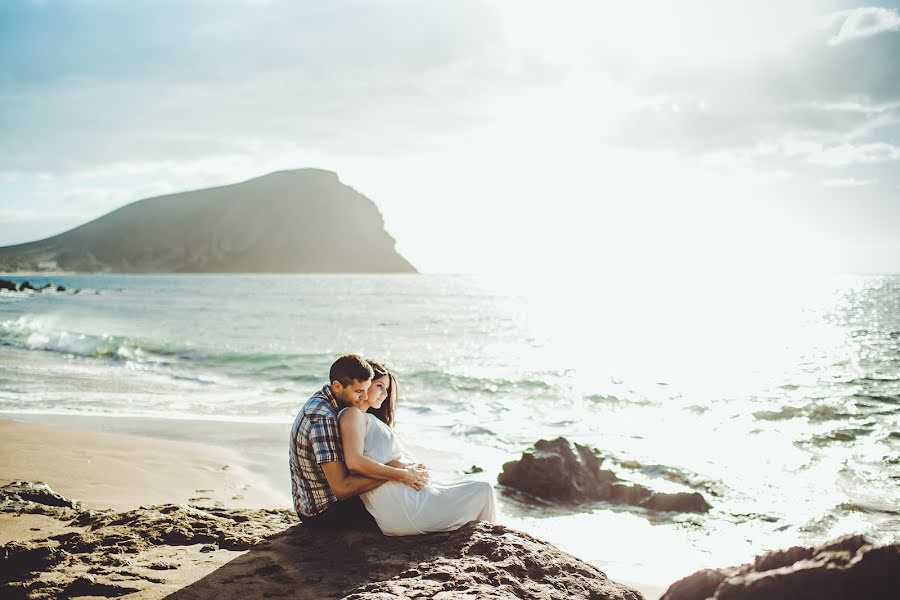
26	285
482	560
36	498
37	492
479	560
21	558
848	567
6	284
678	502
556	471
571	473
86	585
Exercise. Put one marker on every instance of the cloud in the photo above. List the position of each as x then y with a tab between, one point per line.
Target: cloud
849	182
844	154
860	23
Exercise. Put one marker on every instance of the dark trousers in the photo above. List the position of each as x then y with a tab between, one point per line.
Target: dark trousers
346	514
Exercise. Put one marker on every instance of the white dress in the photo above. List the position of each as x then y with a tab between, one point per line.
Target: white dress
400	510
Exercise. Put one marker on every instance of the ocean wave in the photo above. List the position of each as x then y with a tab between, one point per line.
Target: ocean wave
465	383
32	333
813	412
877	398
847	434
867	507
612	400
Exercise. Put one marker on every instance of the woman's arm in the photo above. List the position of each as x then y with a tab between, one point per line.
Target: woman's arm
352	424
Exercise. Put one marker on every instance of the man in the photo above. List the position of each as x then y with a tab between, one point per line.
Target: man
325	493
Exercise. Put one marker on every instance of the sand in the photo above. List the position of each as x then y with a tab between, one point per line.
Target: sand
121	472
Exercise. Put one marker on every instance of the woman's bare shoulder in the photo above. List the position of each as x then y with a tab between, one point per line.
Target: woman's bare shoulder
352	414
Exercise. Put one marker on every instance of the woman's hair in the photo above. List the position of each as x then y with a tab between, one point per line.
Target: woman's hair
389	406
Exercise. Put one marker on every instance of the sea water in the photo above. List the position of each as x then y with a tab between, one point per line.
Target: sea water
776	397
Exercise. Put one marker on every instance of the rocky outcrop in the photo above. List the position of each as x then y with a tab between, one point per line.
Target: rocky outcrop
571	473
848	567
113	554
12	286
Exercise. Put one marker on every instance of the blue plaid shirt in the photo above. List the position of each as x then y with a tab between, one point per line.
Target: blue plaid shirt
314	439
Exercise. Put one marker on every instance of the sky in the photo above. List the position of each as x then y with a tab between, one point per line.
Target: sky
494	136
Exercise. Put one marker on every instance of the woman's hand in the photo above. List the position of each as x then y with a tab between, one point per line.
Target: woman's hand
414	478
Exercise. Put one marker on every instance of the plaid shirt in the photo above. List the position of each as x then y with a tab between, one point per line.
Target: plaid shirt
314	439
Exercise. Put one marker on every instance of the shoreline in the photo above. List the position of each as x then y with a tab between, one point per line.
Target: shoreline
122	463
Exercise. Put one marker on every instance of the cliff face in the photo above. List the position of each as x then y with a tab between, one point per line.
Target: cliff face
301	221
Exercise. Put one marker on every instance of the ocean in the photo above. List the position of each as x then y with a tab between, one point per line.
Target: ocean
777	396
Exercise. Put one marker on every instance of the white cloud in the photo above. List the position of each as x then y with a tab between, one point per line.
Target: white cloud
839	155
848	182
860	23
846	154
856	107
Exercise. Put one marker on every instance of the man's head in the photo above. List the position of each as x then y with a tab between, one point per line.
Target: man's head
350	378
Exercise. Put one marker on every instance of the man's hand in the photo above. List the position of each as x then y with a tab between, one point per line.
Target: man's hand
345	484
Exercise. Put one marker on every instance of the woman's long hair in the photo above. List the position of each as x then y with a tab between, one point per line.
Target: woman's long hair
389	406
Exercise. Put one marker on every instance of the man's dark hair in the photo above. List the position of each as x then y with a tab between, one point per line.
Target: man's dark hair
350	367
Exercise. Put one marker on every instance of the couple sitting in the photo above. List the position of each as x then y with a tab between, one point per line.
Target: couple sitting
348	470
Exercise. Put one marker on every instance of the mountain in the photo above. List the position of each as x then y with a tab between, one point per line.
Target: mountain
298	221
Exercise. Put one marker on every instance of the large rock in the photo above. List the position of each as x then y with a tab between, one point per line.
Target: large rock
560	471
6	284
850	567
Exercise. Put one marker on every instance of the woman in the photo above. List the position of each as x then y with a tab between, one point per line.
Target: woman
407	504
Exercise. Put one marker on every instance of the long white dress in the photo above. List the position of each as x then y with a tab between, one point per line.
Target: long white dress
400	510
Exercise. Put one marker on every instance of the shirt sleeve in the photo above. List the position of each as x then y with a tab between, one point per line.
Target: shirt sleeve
325	439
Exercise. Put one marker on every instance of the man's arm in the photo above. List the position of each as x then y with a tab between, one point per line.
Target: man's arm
345	484
352	424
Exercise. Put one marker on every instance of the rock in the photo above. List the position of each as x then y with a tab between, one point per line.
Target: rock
21	558
26	285
86	585
23	492
60	288
481	560
6	284
44	287
679	502
560	471
847	567
553	470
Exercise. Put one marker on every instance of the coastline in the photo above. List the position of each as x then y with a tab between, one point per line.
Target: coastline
122	463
